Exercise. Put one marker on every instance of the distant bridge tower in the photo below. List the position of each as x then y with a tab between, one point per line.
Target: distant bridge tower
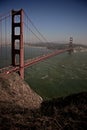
17	41
71	45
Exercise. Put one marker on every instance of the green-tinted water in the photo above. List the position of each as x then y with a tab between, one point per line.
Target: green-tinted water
59	76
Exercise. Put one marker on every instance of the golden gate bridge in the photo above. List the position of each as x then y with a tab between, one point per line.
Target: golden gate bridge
15	29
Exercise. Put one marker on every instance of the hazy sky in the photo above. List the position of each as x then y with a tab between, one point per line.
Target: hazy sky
57	20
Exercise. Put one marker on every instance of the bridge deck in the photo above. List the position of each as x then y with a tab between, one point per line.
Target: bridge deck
31	62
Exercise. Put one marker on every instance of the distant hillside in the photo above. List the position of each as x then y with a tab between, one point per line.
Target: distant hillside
57	45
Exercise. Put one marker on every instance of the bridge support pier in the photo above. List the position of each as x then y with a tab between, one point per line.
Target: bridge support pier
17	41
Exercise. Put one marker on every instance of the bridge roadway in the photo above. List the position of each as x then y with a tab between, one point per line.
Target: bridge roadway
31	62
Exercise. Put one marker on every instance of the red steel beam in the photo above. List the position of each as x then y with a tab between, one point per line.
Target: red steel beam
44	57
36	60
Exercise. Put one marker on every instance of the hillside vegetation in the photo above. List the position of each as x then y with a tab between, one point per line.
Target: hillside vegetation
23	109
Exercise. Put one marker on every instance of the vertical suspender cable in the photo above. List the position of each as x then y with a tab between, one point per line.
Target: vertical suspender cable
0	43
6	42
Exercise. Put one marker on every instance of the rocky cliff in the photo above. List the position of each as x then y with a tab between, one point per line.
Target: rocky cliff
15	91
22	109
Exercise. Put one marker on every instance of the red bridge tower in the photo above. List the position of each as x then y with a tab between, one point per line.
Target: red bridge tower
71	45
17	41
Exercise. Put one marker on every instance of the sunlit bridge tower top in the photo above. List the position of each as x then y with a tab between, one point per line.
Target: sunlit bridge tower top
17	41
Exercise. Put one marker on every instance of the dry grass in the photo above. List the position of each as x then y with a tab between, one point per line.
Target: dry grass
23	109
